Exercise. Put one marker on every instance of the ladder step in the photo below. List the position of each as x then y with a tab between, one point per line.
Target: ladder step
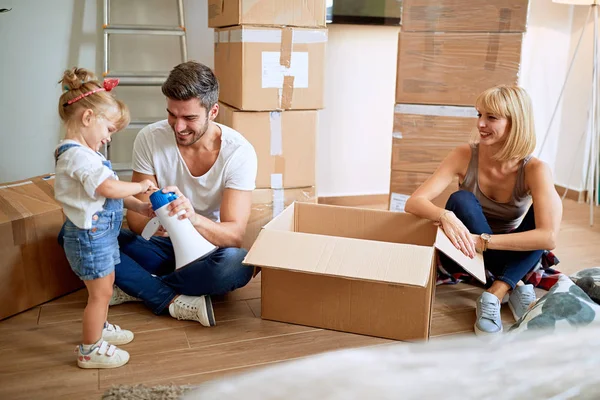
145	30
139	78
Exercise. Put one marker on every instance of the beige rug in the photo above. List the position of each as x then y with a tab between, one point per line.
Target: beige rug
141	392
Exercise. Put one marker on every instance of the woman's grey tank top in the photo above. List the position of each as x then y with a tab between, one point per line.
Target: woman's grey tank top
502	217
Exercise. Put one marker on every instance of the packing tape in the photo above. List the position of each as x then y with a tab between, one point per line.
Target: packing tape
285	54
286	93
276	135
491	55
437	111
277	181
278	201
504	19
45	187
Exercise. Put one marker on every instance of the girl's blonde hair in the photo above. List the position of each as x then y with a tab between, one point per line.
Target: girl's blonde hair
78	81
513	103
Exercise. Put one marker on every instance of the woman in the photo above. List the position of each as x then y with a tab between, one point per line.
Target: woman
506	208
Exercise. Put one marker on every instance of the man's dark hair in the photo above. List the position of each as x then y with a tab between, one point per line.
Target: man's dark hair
192	80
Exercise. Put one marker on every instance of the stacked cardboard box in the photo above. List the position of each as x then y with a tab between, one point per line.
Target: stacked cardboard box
269	59
33	268
449	51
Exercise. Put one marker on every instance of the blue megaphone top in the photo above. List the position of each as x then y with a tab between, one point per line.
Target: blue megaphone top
159	199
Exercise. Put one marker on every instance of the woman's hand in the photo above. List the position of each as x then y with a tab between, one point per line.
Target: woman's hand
180	205
458	233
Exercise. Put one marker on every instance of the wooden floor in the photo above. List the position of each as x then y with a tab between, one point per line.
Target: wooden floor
36	347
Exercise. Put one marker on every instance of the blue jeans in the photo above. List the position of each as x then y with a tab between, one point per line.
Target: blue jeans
217	274
507	266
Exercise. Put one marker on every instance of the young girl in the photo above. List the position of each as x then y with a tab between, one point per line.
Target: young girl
92	198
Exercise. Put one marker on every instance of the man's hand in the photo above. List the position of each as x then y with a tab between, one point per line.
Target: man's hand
180	206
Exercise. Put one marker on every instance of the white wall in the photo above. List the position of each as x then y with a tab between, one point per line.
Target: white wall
355	128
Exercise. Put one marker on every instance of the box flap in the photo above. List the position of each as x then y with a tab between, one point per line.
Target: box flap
284	221
341	257
474	266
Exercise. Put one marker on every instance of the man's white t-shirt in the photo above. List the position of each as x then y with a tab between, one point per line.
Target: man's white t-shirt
155	152
79	171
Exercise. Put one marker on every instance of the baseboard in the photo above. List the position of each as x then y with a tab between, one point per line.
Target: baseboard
356	200
577	195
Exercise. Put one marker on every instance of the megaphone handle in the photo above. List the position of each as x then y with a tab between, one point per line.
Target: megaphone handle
151	228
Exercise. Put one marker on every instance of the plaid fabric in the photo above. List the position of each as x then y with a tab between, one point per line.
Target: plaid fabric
542	276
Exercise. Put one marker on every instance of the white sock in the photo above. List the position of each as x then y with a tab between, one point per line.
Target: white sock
87	348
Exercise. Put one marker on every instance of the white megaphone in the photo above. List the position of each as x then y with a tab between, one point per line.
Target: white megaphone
189	245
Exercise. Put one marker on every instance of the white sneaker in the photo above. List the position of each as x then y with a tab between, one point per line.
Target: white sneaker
194	308
120	297
102	355
115	335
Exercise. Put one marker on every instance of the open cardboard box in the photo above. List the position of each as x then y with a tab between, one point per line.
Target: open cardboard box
355	270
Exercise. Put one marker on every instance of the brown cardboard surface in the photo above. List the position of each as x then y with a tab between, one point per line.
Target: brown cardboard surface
404	183
33	268
284	143
350	269
464	15
424	135
307	13
454	68
267	203
270	68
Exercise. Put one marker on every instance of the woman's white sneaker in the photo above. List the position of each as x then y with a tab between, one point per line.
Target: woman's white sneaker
194	308
120	297
115	335
102	355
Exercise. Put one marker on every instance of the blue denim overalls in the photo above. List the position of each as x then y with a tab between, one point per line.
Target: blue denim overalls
93	253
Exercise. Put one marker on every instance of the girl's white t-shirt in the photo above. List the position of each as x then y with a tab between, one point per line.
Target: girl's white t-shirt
79	171
155	152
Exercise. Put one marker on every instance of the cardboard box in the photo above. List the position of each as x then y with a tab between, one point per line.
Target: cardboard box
464	15
269	203
424	135
309	13
284	142
355	270
270	68
454	68
33	268
404	183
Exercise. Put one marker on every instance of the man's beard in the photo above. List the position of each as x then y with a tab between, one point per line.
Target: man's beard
194	137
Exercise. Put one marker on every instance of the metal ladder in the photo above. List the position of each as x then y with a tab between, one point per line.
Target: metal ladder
138	78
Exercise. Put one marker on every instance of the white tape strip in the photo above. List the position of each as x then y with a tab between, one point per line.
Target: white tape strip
276	136
438	111
397	135
299	36
276	181
278	202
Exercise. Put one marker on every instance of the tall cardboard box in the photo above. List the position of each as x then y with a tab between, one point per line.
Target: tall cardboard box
424	135
355	270
454	68
33	267
268	204
284	142
270	68
464	15
309	13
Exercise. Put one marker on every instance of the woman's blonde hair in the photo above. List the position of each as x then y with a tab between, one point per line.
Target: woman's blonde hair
513	103
78	81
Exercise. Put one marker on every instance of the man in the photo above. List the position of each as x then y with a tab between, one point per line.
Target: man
212	169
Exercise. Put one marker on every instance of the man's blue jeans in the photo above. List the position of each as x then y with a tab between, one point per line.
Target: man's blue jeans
147	271
507	266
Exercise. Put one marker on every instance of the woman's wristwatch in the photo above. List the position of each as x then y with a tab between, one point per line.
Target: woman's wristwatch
485	239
